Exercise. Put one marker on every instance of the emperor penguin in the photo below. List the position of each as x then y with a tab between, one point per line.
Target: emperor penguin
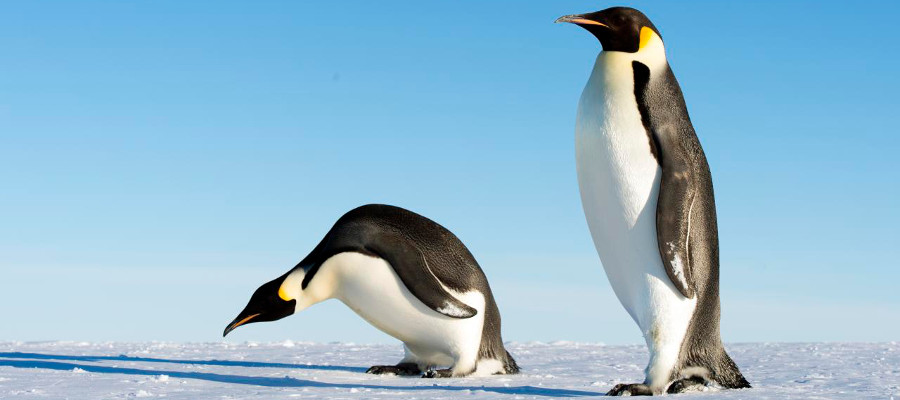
647	194
409	277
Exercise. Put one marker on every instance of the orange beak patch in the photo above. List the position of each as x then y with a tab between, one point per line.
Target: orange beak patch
584	21
244	321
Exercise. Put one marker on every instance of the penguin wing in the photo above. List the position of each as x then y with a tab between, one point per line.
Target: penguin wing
673	213
412	267
668	125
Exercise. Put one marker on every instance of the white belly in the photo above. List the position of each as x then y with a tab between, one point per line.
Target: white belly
619	183
371	288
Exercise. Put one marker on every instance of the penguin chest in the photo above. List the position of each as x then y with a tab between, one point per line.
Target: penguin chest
371	288
613	156
618	177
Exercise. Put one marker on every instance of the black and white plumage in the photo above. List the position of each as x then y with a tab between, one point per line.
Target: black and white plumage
409	277
647	195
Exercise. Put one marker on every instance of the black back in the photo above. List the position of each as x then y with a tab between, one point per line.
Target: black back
425	255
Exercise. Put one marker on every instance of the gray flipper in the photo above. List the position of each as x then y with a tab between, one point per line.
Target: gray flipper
411	266
673	212
677	184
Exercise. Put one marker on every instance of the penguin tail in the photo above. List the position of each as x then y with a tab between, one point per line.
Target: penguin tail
715	366
509	364
728	375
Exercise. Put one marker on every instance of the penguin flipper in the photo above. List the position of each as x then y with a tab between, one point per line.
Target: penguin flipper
673	213
666	130
411	266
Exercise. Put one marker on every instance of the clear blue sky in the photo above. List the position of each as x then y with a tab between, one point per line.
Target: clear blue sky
160	160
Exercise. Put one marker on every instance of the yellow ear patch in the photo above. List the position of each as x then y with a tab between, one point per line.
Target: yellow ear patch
283	294
646	35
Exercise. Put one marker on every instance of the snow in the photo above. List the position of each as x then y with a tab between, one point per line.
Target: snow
297	370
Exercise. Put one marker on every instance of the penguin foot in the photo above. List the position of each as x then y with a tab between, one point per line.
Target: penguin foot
402	369
692	384
438	373
630	389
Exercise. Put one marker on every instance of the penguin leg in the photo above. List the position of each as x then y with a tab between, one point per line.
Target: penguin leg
463	366
410	365
447	373
438	373
630	389
691	384
664	337
401	369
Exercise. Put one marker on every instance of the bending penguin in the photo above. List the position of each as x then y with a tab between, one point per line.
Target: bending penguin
647	194
409	277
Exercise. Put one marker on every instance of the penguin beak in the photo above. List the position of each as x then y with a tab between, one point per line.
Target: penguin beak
579	19
265	305
240	320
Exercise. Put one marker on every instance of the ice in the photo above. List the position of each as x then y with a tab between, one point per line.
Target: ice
50	370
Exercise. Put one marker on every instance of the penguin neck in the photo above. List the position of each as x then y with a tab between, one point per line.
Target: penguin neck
652	54
336	276
323	286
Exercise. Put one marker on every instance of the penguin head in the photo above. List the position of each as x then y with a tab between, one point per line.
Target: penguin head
618	28
268	303
286	295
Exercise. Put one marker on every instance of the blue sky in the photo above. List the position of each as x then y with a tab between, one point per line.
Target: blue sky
160	160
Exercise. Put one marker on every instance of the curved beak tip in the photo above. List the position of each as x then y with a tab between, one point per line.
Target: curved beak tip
571	18
236	323
579	19
228	329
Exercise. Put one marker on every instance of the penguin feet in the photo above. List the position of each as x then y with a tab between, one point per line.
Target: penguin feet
692	384
438	373
402	369
630	389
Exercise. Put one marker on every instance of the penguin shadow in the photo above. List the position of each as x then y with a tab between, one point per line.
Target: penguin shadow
69	362
216	363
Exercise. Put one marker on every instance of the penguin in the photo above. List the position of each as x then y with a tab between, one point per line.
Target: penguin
409	277
647	194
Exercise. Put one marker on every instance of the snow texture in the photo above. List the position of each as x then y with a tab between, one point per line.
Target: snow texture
297	370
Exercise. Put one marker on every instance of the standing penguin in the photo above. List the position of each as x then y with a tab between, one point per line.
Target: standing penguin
409	277
647	194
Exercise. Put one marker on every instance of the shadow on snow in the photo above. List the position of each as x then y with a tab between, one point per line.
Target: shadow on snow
18	362
218	363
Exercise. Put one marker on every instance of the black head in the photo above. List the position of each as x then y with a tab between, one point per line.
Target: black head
617	28
266	304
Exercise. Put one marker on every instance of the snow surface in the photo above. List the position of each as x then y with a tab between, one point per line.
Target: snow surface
290	370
